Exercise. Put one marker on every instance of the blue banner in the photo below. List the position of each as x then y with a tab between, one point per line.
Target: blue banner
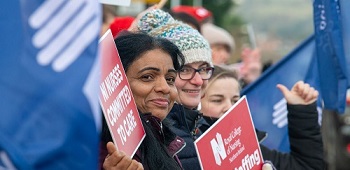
345	20
328	23
49	84
266	102
323	61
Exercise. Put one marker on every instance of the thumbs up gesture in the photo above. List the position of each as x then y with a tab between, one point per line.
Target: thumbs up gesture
301	93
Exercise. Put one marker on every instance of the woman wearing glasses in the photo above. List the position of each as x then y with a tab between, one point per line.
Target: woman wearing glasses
190	81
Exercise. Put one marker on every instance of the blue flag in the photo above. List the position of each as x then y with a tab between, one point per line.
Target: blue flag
334	75
267	104
345	19
49	84
322	61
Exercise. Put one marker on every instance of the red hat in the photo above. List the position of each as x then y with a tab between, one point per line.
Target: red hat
120	23
199	13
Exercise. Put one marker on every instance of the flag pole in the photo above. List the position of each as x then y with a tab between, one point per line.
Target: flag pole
161	4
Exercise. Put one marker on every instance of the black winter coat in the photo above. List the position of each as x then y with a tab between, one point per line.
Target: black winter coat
185	125
306	147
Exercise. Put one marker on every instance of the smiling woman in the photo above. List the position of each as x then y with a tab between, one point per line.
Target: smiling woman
157	79
191	79
217	99
151	66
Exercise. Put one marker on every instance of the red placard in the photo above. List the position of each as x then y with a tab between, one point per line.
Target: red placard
117	101
231	142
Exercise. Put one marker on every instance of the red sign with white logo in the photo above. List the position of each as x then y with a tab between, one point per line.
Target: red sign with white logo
231	142
117	101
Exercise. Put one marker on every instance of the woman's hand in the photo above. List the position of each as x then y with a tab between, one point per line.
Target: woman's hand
301	93
268	166
117	160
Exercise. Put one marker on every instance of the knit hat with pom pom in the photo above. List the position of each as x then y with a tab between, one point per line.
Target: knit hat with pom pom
158	23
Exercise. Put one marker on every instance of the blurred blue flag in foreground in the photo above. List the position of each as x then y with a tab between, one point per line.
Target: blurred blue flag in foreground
49	84
320	61
332	58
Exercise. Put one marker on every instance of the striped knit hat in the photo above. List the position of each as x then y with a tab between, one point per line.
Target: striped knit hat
158	23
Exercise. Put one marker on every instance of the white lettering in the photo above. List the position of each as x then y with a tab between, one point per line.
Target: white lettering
235	155
218	149
118	105
129	123
125	130
111	82
104	92
249	161
236	132
323	23
122	135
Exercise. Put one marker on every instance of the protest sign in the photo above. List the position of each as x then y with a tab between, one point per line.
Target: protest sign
231	142
116	99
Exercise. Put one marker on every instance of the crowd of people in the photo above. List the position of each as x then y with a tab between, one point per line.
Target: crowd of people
188	85
178	67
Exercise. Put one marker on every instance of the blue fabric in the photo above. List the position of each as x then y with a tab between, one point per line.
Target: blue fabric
263	96
334	75
322	61
49	107
345	19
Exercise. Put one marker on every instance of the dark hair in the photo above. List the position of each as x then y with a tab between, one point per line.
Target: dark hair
131	46
186	18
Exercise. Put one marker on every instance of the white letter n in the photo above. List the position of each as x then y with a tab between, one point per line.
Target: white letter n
218	148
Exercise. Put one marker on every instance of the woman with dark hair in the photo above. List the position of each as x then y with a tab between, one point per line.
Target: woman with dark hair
192	78
151	66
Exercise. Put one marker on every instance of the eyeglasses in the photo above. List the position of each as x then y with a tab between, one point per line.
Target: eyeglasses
187	73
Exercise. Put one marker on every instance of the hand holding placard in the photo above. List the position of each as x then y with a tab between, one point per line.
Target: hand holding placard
118	160
116	99
232	140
